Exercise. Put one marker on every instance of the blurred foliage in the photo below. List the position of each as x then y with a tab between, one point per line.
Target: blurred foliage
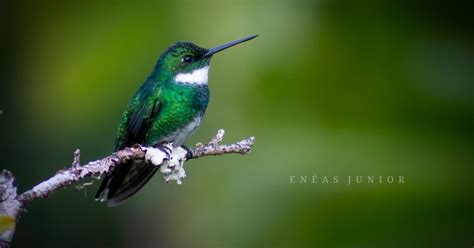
329	88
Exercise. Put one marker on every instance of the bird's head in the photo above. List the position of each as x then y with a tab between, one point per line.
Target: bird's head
188	63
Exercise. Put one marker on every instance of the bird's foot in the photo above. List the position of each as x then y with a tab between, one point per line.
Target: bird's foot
169	159
173	170
189	152
158	154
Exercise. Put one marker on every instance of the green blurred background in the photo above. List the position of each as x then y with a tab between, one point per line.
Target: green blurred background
331	88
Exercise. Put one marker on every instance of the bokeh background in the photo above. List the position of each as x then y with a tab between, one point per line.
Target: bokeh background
330	88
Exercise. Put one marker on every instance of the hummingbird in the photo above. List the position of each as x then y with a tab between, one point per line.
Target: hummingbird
167	108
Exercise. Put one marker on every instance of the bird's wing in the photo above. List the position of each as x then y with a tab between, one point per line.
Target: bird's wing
137	120
127	179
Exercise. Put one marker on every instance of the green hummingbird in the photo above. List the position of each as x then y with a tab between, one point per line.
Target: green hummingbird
168	107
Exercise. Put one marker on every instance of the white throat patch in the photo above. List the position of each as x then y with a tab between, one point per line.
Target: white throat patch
198	76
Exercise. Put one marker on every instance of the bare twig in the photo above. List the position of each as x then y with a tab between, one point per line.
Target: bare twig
213	147
77	158
13	204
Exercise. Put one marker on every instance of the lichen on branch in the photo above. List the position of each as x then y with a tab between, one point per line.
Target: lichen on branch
171	166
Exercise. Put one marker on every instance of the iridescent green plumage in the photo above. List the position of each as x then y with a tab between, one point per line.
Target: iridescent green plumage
168	107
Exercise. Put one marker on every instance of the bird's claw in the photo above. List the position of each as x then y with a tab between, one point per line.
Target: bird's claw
189	152
158	154
170	166
173	170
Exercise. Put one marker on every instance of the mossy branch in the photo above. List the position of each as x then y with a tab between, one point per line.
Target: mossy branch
13	204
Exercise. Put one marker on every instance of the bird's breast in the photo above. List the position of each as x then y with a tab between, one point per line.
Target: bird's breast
181	113
181	134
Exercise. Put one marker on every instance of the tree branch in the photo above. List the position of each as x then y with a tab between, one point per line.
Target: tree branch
170	162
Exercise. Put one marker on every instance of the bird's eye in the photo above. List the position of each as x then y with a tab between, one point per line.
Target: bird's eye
187	58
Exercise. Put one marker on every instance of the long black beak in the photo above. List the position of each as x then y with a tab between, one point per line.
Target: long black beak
211	51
